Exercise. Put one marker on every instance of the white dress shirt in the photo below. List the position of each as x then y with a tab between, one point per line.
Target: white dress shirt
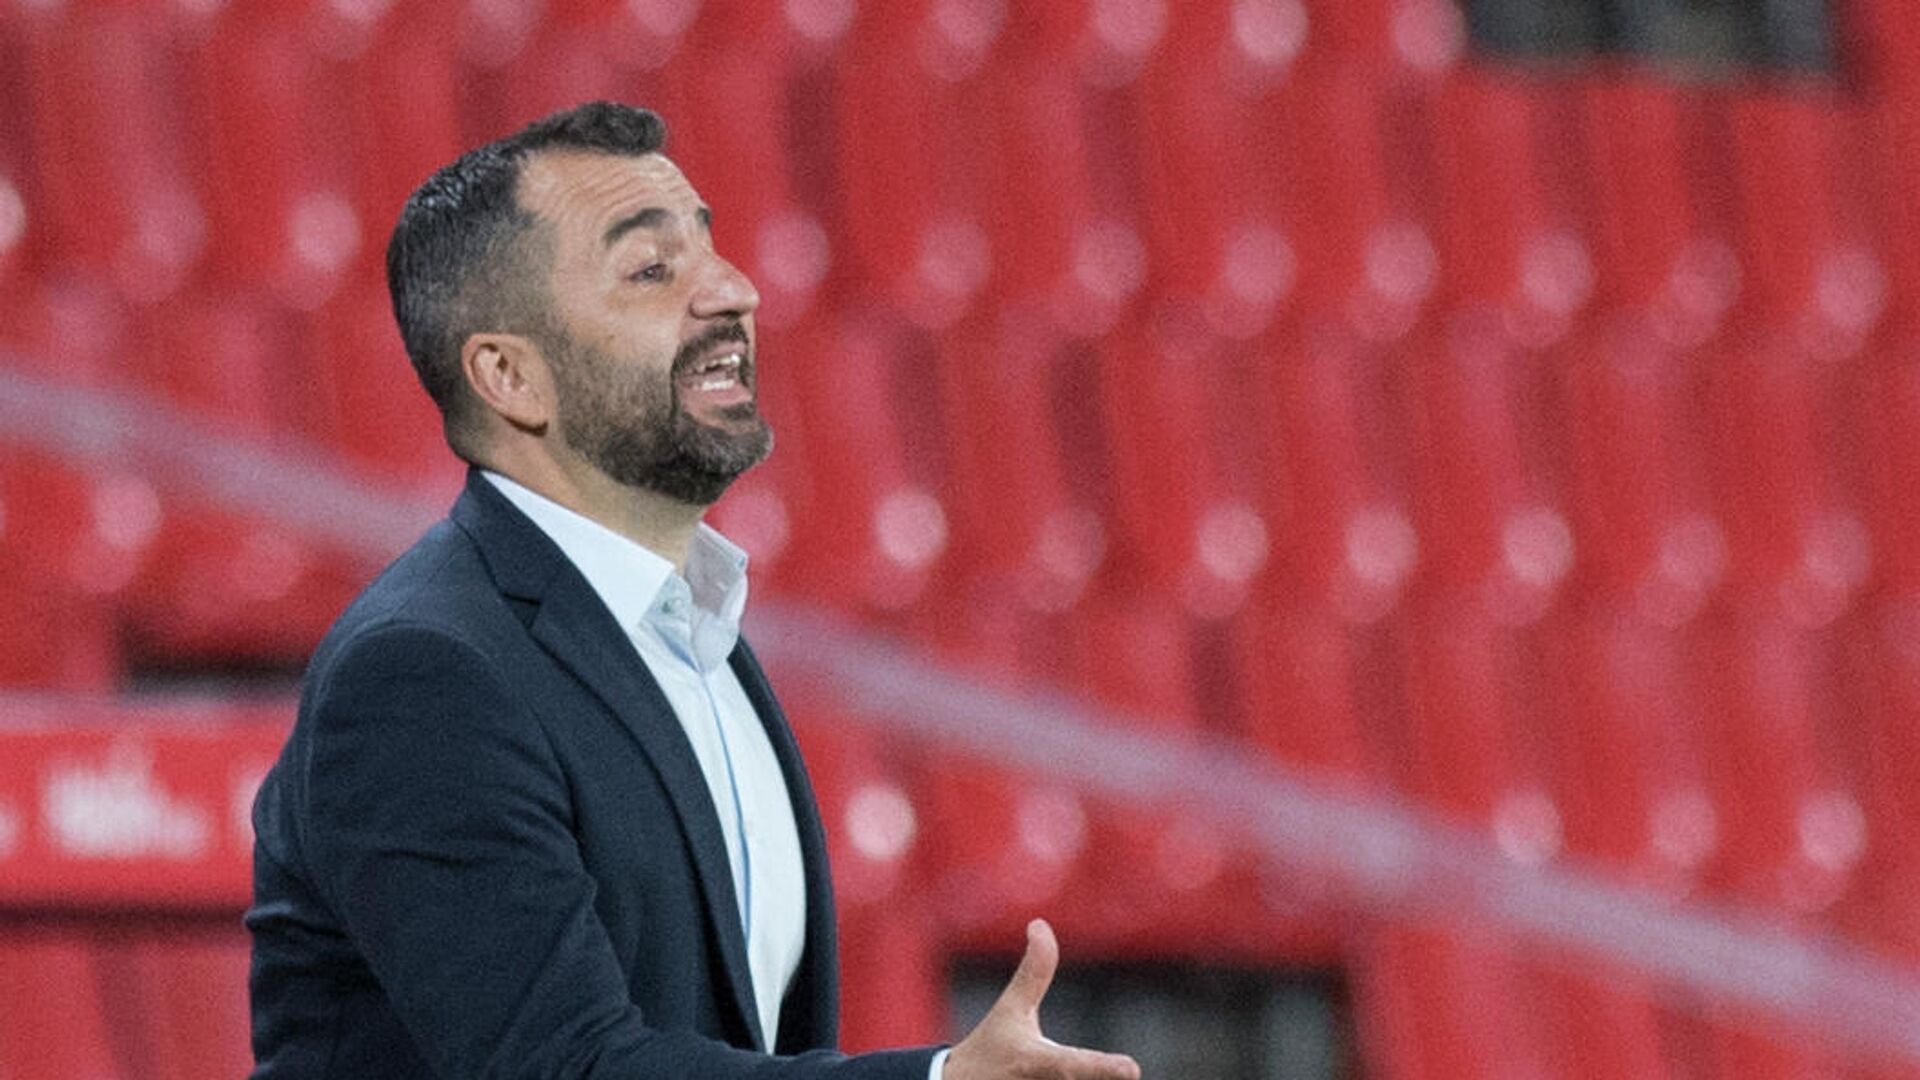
684	628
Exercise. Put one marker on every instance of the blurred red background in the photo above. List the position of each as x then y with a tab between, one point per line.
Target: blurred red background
1505	468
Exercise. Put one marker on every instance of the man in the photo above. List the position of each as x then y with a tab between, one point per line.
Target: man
540	815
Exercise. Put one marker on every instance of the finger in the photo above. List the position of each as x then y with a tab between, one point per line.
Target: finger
1075	1063
1030	981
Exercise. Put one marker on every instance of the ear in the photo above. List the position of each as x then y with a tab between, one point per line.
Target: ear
510	377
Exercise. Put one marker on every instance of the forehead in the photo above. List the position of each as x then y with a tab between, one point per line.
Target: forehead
583	192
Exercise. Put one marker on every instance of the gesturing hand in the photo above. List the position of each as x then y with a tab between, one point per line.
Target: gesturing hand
1007	1043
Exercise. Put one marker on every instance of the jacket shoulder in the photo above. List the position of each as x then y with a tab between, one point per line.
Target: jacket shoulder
440	587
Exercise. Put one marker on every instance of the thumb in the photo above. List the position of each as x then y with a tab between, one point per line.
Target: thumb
1030	981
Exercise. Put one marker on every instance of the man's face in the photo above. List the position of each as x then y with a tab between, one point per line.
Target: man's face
651	345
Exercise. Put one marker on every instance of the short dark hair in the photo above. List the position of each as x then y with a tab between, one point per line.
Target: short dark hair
461	259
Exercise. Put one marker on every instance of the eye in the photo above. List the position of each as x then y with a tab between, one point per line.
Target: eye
652	272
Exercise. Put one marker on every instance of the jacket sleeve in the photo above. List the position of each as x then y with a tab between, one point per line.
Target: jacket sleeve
436	823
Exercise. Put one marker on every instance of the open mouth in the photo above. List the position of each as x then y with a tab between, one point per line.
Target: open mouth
717	372
720	378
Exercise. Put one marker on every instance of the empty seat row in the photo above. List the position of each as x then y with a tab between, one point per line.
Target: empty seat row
117	565
167	1003
938	853
1535	450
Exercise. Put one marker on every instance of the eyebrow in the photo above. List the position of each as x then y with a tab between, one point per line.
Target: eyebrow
653	217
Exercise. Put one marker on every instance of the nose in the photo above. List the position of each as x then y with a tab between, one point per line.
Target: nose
724	290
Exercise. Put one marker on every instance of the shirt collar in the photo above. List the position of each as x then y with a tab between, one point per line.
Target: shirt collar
628	576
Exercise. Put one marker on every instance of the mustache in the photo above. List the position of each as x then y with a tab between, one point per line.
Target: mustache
719	334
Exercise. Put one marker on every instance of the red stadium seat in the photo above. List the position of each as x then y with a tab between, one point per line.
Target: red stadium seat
1165	478
1793	543
1465	752
1338	32
54	1016
896	166
82	531
741	127
1499	204
223	584
110	141
877	821
275	166
189	999
1361	253
1296	670
1437	1005
1880	394
1797	230
21	231
406	111
1217	261
1642	524
1022	529
102	1005
560	56
1883	142
232	358
1597	1025
1138	656
1883	46
1487	518
871	530
998	846
887	999
1053	245
363	401
1792	830
1650	253
1882	687
1882	668
1752	1051
56	639
1629	773
1514	263
1141	862
1339	523
69	542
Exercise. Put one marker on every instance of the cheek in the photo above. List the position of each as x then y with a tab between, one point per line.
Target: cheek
623	326
649	349
641	387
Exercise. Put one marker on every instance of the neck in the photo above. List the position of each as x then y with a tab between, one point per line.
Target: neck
662	525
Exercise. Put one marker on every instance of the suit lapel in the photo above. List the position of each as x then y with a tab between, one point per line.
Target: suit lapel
572	624
810	1017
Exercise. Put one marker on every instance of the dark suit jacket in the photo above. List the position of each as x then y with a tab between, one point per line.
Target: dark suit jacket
487	849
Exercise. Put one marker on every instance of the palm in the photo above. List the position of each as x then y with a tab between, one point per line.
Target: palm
1008	1042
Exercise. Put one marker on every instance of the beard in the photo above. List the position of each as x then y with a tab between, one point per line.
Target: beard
633	428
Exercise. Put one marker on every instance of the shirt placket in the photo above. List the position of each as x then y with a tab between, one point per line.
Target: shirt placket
677	627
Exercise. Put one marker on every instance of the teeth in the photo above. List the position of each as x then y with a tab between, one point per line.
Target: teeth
721	363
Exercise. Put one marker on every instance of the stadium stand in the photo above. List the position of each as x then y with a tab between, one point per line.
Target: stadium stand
1258	482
